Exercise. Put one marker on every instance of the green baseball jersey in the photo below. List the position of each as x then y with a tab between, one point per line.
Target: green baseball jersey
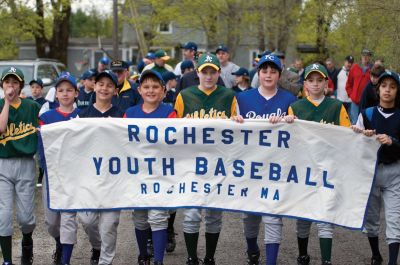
328	111
194	103
20	138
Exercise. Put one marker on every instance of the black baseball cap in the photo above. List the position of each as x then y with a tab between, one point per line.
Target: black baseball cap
119	65
349	58
190	46
241	72
222	47
36	81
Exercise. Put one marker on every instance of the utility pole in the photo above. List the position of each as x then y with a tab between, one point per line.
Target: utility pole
115	29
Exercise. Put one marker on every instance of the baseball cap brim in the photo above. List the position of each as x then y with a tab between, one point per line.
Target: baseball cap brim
316	71
165	58
105	74
59	81
14	74
201	67
151	73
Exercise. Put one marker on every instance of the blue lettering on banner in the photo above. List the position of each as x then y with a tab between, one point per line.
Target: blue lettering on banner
156	187
189	135
181	187
220	168
97	164
325	178
264	137
144	188
276	195
227	137
238	168
308	176
150	161
169	166
243	192
274	171
293	175
246	136
136	167
152	134
114	165
201	165
207	188
133	131
194	186
230	190
283	137
264	193
255	170
207	135
167	135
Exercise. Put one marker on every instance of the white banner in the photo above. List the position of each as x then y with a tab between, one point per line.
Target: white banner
304	170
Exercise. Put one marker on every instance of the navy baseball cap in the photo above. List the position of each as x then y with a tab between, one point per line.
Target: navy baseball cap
221	47
169	76
66	76
271	59
104	61
241	72
190	46
119	65
36	81
88	74
109	74
150	55
186	64
153	73
390	74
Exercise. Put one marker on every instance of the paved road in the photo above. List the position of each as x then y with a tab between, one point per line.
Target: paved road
350	247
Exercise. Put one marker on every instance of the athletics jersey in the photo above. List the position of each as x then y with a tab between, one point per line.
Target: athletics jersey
194	103
163	111
84	98
253	105
55	115
92	112
329	111
20	138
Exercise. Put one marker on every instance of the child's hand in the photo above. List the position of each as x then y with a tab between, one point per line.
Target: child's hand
384	139
275	119
368	133
10	94
289	118
238	119
356	129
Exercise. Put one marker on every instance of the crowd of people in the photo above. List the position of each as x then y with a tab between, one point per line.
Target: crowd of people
364	96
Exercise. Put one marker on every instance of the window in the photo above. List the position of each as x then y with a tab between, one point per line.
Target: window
47	73
165	28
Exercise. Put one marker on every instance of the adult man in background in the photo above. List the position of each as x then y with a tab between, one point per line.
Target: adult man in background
332	71
341	93
189	51
359	77
227	67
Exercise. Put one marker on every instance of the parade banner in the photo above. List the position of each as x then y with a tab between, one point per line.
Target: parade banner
307	170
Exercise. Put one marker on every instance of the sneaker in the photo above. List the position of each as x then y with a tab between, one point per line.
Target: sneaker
27	255
192	261
303	260
253	259
94	259
171	242
150	248
144	260
57	257
376	260
326	262
208	261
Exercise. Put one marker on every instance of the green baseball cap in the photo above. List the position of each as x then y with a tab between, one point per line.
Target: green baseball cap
162	55
13	71
208	59
316	67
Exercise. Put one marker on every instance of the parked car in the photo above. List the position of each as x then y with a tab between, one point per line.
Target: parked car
46	69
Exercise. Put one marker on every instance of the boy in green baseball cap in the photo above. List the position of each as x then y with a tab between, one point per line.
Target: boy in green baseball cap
318	108
18	144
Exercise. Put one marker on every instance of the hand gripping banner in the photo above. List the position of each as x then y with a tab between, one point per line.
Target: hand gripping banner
306	170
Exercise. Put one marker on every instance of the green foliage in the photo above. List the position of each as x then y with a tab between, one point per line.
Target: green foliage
90	25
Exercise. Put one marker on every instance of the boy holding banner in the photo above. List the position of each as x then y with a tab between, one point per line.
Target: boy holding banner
316	107
101	227
383	122
18	144
62	226
207	100
152	222
266	102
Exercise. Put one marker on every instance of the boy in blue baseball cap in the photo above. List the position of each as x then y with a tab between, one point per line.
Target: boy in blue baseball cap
86	92
383	123
37	91
242	78
270	102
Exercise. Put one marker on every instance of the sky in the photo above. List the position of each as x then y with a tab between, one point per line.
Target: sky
104	6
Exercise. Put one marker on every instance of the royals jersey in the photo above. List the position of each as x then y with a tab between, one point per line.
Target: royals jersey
329	111
163	111
55	115
253	105
195	103
92	112
20	138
